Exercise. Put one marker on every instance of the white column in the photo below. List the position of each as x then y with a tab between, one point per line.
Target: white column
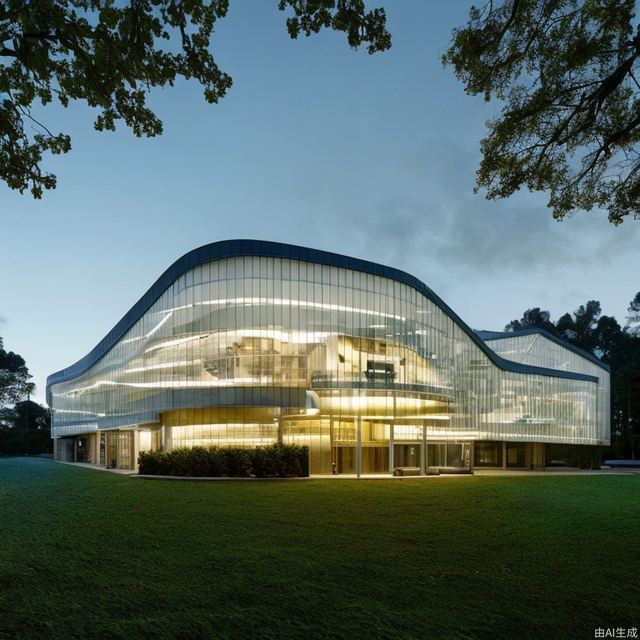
136	449
358	446
423	459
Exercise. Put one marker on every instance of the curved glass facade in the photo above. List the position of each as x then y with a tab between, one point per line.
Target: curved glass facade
369	371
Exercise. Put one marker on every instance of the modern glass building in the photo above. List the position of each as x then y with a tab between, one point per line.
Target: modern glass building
244	343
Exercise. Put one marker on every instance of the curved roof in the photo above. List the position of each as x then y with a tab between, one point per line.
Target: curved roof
262	248
488	336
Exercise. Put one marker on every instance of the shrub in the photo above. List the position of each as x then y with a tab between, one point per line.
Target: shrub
217	468
237	462
273	461
281	461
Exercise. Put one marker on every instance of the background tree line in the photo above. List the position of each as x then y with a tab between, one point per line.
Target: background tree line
25	426
617	346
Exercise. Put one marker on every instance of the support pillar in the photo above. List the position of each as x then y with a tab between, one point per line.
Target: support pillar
166	438
391	452
423	456
333	448
135	450
95	456
358	446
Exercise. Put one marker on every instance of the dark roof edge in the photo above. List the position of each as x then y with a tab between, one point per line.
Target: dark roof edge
488	336
262	248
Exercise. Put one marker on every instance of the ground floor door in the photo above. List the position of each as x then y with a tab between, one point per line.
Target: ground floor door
344	459
65	449
351	445
83	449
120	450
112	451
407	455
373	459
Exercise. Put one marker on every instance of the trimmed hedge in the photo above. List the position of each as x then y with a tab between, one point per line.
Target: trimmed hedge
273	461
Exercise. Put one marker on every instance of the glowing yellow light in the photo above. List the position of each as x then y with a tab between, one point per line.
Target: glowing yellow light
164	365
144	440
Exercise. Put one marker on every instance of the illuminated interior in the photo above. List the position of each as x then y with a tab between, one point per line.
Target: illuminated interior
252	343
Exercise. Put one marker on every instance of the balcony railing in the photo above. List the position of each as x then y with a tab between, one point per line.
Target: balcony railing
331	380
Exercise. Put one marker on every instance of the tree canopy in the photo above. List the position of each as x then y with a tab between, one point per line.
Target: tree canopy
25	426
634	315
533	318
14	377
111	54
25	429
567	74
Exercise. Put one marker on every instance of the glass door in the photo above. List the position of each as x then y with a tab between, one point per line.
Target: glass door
406	455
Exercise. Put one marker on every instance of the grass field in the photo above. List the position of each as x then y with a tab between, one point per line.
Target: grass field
85	554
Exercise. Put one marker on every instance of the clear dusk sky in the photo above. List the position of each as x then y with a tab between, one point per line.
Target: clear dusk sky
317	145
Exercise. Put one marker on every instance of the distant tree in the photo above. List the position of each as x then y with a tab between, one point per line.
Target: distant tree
625	396
567	73
14	377
607	337
633	319
25	429
111	54
579	328
32	416
533	318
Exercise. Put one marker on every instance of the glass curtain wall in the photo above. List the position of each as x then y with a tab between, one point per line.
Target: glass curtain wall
338	359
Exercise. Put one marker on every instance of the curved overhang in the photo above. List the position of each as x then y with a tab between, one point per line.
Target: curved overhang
490	336
262	248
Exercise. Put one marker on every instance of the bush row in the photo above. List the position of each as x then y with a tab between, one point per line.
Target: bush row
273	461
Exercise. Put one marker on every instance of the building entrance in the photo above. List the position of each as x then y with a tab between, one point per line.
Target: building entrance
407	455
120	450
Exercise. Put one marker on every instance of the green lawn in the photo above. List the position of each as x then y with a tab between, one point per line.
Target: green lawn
85	554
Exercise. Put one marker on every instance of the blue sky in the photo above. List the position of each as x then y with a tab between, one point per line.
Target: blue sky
315	144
